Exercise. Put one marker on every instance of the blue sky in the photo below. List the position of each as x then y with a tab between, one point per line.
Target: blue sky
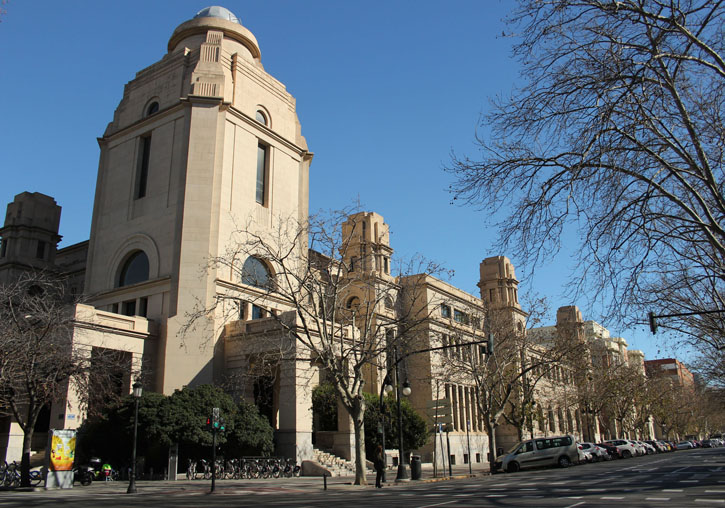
385	91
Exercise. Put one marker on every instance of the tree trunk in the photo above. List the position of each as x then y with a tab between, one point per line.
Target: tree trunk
358	419
491	430
25	459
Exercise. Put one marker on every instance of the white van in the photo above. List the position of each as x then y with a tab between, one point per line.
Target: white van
544	451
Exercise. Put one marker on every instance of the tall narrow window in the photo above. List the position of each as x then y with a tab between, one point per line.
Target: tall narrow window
143	166
40	250
261	173
3	247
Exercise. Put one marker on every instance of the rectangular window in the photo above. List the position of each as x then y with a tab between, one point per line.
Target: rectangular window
143	305
261	174
386	267
144	155
3	247
257	312
460	317
445	311
129	308
40	250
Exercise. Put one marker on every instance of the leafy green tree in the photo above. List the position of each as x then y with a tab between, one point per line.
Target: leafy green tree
188	410
324	406
179	418
109	436
250	434
415	431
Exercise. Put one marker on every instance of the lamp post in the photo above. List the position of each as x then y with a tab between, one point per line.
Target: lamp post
401	390
385	389
137	391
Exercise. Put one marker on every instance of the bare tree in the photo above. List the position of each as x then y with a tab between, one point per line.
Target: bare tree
501	375
617	131
39	359
337	303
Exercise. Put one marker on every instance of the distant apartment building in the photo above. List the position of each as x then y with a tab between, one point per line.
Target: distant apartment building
672	369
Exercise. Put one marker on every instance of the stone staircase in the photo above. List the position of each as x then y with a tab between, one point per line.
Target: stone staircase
336	465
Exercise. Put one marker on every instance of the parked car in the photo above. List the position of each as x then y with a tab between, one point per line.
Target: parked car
612	451
708	443
597	453
657	445
649	449
550	451
584	455
685	445
626	449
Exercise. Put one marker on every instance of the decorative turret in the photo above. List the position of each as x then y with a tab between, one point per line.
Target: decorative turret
570	323
30	234
366	248
498	284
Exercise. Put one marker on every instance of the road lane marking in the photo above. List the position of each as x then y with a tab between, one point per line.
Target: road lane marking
715	492
575	504
671	490
656	498
595	490
437	504
710	501
612	498
495	495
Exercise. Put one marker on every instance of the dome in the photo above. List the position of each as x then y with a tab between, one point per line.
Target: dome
216	11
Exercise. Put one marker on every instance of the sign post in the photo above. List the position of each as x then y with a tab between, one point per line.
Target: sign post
439	412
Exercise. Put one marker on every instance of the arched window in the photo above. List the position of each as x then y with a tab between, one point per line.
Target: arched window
135	269
353	303
255	273
389	302
261	117
153	108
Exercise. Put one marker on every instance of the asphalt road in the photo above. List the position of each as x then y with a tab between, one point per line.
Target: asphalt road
681	479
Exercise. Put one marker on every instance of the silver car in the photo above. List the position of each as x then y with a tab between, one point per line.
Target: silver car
548	451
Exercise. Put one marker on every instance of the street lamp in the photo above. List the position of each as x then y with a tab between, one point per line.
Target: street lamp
403	389
137	391
385	390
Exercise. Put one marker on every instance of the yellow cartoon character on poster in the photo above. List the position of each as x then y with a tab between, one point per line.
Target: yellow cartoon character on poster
62	452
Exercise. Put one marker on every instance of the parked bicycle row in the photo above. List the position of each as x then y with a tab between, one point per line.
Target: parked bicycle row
10	475
244	468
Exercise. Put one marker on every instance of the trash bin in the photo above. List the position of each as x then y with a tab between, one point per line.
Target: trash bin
415	470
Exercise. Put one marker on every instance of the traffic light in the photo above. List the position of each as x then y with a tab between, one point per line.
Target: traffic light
215	418
208	424
652	322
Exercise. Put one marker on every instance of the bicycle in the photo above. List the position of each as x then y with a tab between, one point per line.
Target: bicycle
191	470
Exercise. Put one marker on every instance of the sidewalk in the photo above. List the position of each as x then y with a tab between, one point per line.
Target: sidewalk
292	485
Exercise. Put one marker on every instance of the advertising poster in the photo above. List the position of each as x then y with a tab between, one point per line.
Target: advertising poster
59	458
62	450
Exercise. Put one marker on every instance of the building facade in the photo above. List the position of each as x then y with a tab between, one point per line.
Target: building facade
205	143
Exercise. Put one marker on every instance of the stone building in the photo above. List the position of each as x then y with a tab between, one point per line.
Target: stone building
202	141
602	353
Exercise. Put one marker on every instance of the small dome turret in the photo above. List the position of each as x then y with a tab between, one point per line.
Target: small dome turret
215	11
